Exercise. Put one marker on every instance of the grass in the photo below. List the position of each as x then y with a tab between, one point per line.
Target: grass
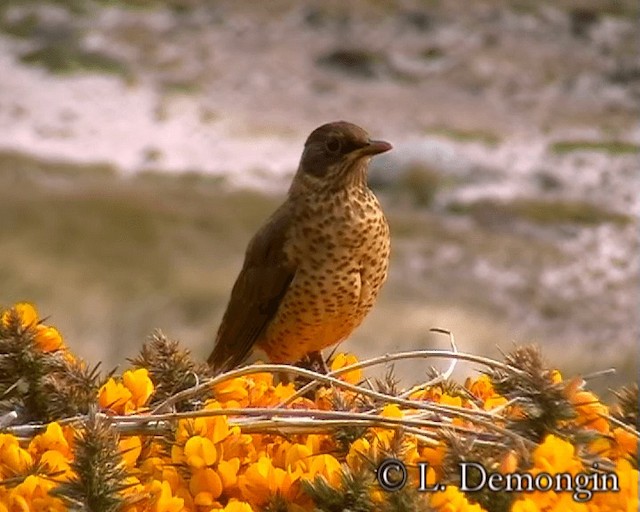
74	6
483	136
67	57
417	184
614	147
24	27
180	87
16	166
114	258
539	212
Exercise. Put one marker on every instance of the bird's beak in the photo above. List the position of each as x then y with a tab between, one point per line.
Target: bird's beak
374	147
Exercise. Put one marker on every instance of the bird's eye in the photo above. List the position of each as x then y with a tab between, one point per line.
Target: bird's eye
333	144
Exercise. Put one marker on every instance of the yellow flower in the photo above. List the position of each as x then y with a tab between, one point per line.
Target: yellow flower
215	429
260	390
228	471
481	388
237	506
133	487
240	446
113	395
53	438
284	391
199	452
319	443
555	455
297	456
48	338
140	386
324	398
14	459
265	378
493	402
286	455
261	481
525	505
205	486
358	453
164	499
452	500
431	394
25	311
447	399
170	475
233	390
130	449
383	435
57	463
556	377
509	463
435	457
590	411
34	493
326	466
626	499
626	444
340	361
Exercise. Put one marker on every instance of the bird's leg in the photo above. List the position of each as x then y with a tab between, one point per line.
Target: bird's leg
315	362
312	361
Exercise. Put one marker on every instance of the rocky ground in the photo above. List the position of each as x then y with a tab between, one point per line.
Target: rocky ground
513	186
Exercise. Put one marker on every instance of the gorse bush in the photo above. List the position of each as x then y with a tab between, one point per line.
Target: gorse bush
167	436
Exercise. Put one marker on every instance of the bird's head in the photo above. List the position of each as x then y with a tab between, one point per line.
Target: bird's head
336	155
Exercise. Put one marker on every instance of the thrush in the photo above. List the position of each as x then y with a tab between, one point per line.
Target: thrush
313	271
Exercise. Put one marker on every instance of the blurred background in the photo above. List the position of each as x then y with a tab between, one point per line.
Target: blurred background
143	142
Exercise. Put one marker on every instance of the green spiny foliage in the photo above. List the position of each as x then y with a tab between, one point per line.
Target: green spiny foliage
171	370
397	448
72	389
407	499
276	504
344	438
353	494
543	403
100	474
37	384
24	370
626	409
389	384
345	435
489	455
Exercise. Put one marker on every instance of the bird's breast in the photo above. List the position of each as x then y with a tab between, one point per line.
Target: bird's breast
341	251
337	223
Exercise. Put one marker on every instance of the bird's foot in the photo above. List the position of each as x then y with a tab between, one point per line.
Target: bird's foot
312	361
315	362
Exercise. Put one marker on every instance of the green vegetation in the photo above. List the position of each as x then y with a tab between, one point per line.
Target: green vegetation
483	136
180	87
68	57
614	147
24	27
539	212
15	166
79	7
124	254
417	185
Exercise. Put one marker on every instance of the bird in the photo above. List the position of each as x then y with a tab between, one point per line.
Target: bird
314	269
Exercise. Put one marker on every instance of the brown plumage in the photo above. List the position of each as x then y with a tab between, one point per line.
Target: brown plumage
314	269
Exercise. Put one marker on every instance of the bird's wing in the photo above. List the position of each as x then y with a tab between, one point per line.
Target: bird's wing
256	295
